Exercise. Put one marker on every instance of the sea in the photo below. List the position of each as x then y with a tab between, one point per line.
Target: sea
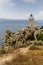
14	25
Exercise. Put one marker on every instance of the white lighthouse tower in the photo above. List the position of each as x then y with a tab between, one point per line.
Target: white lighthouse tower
31	20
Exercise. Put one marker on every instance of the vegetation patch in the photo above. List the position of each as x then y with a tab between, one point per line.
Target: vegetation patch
40	37
33	47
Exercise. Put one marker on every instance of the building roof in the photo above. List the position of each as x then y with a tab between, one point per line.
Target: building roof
31	15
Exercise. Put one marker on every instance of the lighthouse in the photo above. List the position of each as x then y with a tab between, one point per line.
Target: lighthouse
31	20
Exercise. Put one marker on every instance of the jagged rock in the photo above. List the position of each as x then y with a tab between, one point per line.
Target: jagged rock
22	37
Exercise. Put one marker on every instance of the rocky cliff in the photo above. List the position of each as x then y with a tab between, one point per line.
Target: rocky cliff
21	38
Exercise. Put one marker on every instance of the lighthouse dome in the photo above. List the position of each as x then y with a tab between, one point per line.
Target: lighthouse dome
31	16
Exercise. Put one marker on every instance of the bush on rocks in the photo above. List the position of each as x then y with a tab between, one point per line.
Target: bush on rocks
40	37
33	47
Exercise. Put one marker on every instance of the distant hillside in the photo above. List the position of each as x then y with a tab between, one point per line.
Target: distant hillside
4	21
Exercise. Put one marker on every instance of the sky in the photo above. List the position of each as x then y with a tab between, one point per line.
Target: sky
21	9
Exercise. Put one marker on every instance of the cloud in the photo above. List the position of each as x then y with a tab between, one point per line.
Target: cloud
4	1
28	1
13	15
39	15
7	3
12	4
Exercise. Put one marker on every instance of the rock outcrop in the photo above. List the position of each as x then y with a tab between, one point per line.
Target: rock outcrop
21	38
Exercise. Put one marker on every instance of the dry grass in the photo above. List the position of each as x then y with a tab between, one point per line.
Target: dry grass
24	56
32	57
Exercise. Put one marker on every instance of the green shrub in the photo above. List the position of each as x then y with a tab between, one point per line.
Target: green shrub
3	51
38	43
40	37
33	47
